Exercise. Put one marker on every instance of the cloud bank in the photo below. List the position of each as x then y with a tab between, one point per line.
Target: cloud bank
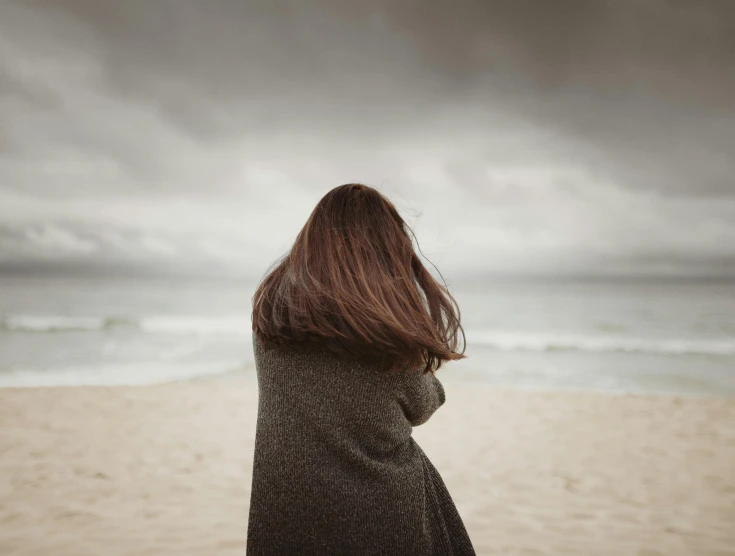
584	138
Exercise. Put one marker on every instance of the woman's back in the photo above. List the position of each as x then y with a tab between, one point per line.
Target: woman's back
336	470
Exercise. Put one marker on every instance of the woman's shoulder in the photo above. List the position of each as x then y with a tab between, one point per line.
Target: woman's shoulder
316	359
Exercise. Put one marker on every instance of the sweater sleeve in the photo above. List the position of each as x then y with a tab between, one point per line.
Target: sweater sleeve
420	395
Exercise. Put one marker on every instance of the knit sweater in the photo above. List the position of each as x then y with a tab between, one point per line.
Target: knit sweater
336	470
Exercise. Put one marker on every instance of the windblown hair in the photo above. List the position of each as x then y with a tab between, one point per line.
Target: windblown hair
353	284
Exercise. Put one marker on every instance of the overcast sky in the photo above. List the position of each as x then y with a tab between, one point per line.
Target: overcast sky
184	136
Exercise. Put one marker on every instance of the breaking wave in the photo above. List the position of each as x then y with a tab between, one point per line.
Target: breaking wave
199	326
495	339
594	343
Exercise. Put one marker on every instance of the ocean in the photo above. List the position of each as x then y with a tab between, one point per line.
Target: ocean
617	336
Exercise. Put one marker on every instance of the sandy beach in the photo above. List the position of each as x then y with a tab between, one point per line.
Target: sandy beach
166	469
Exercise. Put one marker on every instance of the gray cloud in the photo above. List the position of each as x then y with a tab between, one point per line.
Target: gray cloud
548	138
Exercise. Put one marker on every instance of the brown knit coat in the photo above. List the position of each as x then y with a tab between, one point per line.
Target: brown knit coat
336	471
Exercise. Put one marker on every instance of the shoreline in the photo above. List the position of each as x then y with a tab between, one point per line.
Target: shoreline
247	376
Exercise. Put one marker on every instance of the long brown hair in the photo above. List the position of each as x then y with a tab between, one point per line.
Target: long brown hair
353	283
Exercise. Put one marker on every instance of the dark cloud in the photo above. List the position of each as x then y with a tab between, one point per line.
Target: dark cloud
645	89
610	113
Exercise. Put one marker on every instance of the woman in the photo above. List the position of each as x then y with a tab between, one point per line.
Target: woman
348	330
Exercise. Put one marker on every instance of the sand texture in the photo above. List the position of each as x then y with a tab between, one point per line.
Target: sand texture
166	469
